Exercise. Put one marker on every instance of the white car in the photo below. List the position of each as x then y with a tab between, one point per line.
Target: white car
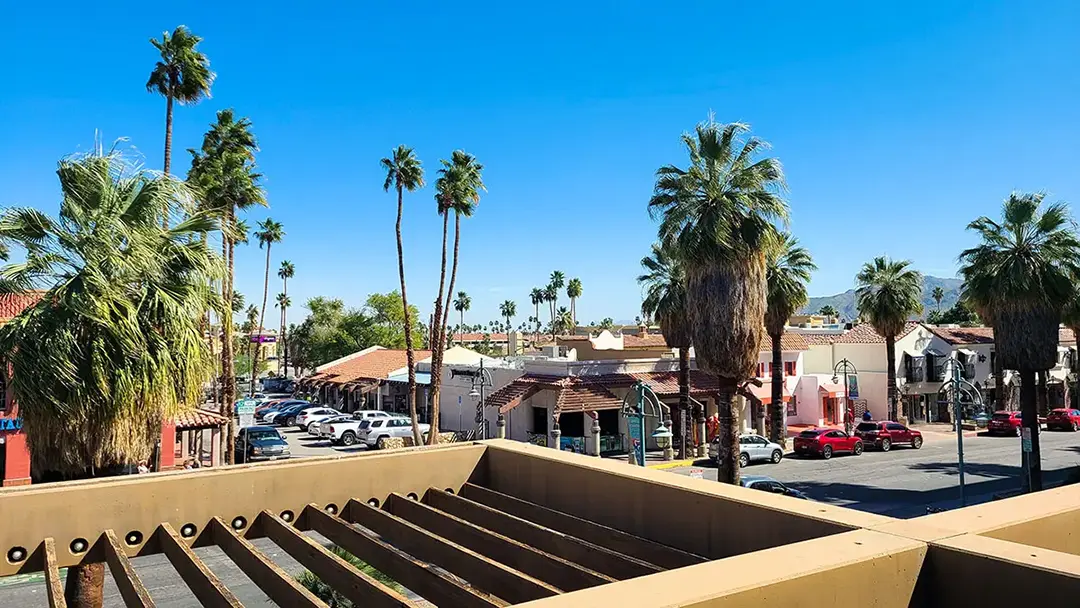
347	433
752	448
314	414
372	432
318	427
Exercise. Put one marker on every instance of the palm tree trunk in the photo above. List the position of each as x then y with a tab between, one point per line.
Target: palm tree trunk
284	323
168	148
536	334
573	311
461	333
890	358
776	408
410	354
229	388
85	586
438	341
1029	420
1042	398
433	436
684	398
262	318
999	382
728	452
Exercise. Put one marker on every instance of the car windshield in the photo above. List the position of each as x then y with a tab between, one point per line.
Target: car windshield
810	434
866	426
263	434
1003	416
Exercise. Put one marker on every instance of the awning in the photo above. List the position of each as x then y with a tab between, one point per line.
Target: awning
363	387
763	393
420	378
933	352
831	389
967	352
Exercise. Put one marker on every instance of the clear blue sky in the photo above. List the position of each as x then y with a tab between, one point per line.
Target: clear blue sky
897	123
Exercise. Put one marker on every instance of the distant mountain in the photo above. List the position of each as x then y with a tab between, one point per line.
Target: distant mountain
844	303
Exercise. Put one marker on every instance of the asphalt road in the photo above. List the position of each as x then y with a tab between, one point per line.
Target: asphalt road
903	481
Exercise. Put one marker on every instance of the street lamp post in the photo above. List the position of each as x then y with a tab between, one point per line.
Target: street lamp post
634	409
481	380
959	385
846	367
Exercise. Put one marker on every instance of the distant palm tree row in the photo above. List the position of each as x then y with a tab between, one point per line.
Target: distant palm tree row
723	271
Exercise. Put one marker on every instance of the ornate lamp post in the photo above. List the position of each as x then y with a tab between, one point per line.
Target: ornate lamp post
634	409
481	380
958	386
846	368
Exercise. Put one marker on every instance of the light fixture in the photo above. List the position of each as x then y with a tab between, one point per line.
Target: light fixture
836	380
475	394
662	436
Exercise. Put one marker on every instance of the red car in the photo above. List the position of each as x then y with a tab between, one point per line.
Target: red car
1064	419
885	434
1004	423
826	442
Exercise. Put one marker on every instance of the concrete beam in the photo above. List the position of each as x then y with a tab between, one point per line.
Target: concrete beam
127	581
358	587
277	584
419	576
480	571
53	588
544	566
584	553
616	540
209	590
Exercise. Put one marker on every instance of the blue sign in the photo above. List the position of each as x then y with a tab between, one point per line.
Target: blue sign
635	426
10	424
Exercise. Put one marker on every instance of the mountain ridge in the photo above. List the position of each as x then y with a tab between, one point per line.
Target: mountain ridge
844	302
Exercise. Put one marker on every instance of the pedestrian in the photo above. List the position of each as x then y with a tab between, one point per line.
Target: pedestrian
867	417
142	467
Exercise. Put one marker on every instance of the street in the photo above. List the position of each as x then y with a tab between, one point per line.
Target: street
904	481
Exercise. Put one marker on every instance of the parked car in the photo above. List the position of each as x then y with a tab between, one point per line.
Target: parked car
318	427
1004	423
768	484
286	415
255	443
373	432
346	433
264	408
825	442
884	434
1063	418
752	447
314	414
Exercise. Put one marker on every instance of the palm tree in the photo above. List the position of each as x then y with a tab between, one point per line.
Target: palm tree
551	294
889	292
182	75
664	283
938	294
224	176
828	311
718	217
564	322
508	309
536	296
787	275
1021	277
555	283
573	291
462	303
115	345
404	172
285	272
269	232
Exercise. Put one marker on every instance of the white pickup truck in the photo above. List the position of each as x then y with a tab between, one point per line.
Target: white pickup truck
347	433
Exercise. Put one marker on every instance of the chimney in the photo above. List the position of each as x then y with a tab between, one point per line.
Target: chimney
643	330
512	343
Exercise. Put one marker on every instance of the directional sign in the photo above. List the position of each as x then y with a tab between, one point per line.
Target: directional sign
635	428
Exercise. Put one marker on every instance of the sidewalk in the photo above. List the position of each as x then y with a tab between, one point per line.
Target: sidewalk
655	460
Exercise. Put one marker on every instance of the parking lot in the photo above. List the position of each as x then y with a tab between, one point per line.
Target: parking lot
902	482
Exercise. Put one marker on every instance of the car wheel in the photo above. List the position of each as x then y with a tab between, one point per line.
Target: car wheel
777	456
744	460
886	444
348	438
290	421
857	449
381	443
1075	426
916	442
826	452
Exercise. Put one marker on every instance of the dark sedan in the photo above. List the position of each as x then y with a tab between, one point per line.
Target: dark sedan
254	443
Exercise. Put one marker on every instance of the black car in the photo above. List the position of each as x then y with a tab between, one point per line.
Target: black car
287	416
255	443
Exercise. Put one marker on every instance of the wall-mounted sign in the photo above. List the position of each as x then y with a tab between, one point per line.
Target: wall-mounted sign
263	339
10	424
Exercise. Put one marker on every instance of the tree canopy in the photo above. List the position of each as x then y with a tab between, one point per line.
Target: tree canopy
331	331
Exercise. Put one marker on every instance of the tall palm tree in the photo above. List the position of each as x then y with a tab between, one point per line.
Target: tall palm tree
888	293
224	176
938	294
404	172
458	189
269	232
1022	276
828	311
555	283
462	303
551	295
182	75
664	282
508	309
573	291
115	345
787	275
718	216
564	322
536	296
285	272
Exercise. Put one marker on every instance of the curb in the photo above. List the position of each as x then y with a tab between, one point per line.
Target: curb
671	464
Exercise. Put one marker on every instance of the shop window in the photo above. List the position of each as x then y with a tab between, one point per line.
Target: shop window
789	368
539	420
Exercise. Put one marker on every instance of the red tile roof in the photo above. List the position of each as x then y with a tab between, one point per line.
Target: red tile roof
866	334
646	341
818	339
479	337
1066	336
788	342
372	366
964	335
12	304
199	419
